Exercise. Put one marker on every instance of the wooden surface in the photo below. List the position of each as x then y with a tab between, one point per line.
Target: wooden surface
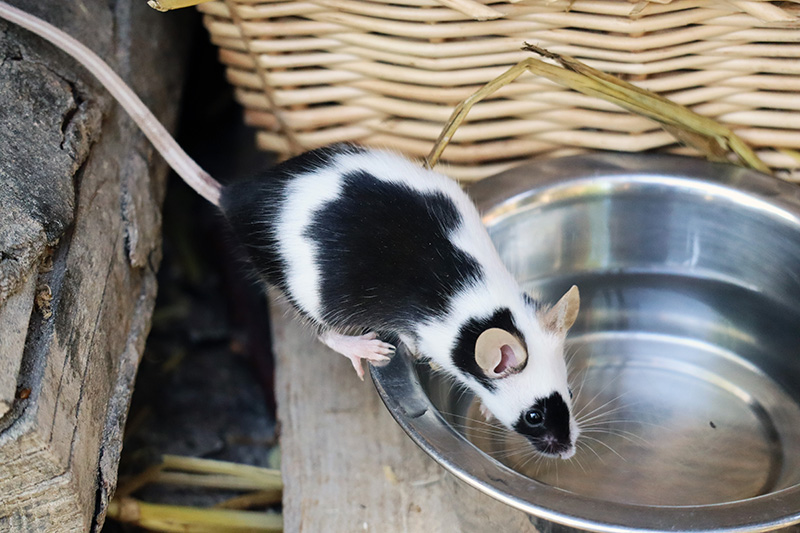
79	245
14	318
347	466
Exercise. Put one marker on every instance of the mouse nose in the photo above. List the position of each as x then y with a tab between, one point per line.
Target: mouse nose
550	445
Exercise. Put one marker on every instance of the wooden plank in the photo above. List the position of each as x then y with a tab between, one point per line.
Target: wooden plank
347	466
14	318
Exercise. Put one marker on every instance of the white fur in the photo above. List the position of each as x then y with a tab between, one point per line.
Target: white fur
304	196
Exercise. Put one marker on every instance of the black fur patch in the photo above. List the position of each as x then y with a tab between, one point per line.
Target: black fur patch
553	435
386	257
252	208
532	302
464	349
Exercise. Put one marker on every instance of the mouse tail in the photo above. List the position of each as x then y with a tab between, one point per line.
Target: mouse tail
197	178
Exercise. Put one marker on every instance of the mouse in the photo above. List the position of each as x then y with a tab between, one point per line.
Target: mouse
364	242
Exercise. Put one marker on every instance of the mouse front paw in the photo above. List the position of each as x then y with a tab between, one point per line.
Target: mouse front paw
358	347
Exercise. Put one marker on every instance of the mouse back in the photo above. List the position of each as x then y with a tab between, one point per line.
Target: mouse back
359	238
254	206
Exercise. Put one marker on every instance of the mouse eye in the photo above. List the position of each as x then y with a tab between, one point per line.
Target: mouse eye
534	418
571	396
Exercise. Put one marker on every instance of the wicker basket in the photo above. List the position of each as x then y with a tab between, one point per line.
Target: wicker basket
389	72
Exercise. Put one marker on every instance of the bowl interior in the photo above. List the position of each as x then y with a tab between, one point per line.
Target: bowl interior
685	359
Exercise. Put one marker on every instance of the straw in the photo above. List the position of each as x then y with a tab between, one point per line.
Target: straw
167	5
264	486
709	137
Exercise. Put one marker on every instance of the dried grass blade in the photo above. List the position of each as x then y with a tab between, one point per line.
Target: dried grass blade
216	481
261	498
167	5
709	137
158	517
268	476
708	145
663	111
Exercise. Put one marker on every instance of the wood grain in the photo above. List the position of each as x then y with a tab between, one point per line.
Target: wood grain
14	317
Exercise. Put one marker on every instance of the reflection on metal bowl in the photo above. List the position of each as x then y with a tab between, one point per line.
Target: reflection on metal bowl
685	358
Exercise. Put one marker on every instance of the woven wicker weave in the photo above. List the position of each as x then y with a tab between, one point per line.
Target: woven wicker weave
389	72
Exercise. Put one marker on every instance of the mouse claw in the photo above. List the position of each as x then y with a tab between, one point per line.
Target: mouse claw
379	351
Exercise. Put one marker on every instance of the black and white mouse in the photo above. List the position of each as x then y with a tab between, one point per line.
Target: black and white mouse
363	241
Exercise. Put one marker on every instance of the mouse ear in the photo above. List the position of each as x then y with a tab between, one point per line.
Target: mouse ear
497	351
562	316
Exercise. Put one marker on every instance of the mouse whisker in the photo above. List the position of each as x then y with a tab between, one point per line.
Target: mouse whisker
582	417
486	433
626	435
584	373
593	415
467	425
569	354
607	422
592	400
468	418
580	463
599	457
506	454
612	450
531	456
607	426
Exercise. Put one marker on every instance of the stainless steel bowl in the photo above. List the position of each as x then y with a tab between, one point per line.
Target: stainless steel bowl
685	355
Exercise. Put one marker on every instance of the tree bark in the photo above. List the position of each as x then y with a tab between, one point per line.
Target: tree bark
80	236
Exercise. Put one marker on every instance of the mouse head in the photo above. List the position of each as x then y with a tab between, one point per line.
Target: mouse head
525	378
